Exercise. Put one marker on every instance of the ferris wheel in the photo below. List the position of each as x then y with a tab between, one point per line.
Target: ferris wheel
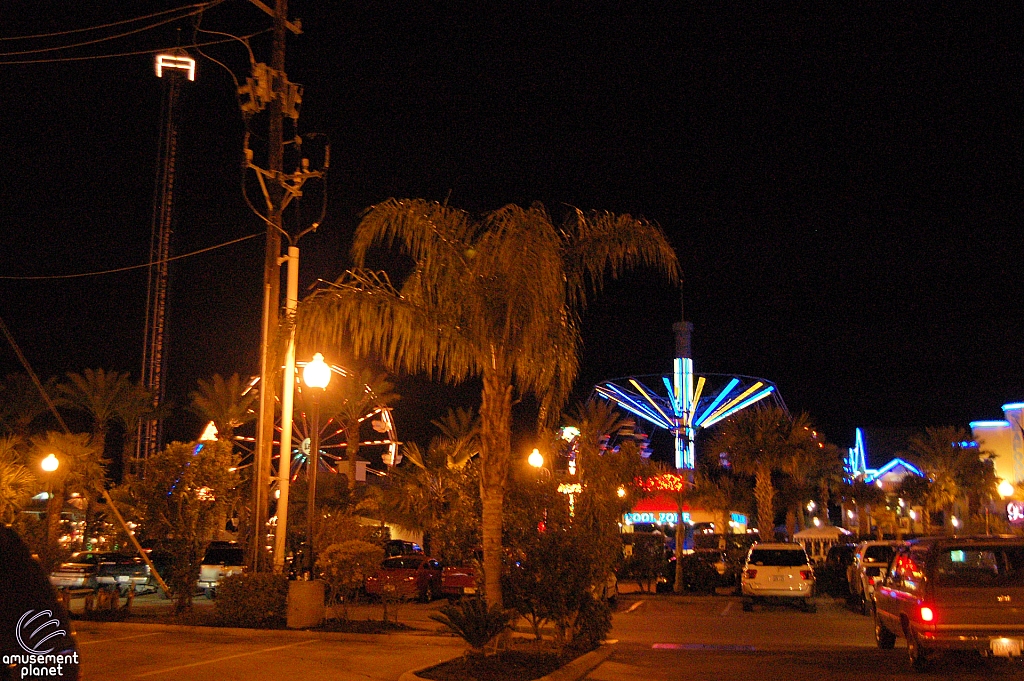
365	417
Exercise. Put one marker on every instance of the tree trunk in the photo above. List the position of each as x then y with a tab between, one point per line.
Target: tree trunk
764	494
790	521
495	446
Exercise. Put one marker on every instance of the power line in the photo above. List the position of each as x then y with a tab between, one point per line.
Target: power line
98	40
203	5
131	267
58	60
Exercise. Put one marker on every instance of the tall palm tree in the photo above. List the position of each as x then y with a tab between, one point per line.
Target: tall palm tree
225	402
757	442
135	404
17	482
97	393
495	297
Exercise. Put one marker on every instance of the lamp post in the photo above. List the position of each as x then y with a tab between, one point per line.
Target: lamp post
316	375
50	464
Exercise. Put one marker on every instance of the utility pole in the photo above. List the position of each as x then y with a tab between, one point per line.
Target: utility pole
276	92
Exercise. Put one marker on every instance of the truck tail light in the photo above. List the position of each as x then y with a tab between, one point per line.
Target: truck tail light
806	574
751	574
927	614
871	580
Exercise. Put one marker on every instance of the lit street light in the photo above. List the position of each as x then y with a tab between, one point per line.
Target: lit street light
1006	489
50	463
316	375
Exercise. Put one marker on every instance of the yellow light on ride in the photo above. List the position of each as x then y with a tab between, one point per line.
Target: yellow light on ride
50	463
1006	489
316	374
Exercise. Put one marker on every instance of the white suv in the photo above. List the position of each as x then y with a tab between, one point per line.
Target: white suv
778	572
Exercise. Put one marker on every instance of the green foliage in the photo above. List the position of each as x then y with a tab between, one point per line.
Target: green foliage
179	502
345	567
593	623
646	561
252	600
17	481
471	619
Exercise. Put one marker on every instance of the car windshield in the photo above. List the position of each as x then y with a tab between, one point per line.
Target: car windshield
406	563
778	557
87	558
224	555
974	566
880	554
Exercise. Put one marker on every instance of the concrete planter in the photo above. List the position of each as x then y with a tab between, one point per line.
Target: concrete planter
573	671
305	604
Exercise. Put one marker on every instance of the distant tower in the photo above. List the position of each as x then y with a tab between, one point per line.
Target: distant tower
174	69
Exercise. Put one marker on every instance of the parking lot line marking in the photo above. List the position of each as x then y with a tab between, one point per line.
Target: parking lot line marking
635	606
704	646
123	638
726	609
222	659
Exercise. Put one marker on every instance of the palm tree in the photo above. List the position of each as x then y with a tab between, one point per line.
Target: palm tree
21	404
17	482
494	297
225	402
135	405
355	396
956	470
758	442
82	470
97	393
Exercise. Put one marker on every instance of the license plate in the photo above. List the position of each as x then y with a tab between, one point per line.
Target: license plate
469	590
1006	647
776	578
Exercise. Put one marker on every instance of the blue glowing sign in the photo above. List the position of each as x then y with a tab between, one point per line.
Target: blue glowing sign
656	517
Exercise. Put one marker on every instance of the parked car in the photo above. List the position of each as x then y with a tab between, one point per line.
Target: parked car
870	562
413	576
222	558
400	547
778	571
953	593
831	576
80	570
124	573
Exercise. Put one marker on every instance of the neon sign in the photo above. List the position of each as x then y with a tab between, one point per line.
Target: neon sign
171	61
1015	512
656	517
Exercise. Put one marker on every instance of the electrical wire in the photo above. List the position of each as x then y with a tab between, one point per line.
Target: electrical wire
131	267
98	40
203	5
134	53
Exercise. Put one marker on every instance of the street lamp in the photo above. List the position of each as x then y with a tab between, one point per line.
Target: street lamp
50	464
316	375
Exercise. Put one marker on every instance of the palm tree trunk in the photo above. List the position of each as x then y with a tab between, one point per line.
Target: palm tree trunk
495	446
764	494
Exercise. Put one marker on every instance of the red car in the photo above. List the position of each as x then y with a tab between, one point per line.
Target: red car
459	581
415	576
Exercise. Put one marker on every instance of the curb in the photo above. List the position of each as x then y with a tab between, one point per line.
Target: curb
573	671
420	636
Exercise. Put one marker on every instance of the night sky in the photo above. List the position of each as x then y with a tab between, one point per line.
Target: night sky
842	184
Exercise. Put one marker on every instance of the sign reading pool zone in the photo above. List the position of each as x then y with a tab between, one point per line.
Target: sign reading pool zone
1015	512
655	517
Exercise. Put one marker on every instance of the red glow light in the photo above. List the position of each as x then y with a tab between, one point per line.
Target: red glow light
927	615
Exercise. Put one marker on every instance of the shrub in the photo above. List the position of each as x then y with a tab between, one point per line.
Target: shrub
699	575
474	622
345	567
252	600
593	623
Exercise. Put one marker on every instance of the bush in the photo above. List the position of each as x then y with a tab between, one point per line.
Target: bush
593	623
699	575
345	567
474	622
252	600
